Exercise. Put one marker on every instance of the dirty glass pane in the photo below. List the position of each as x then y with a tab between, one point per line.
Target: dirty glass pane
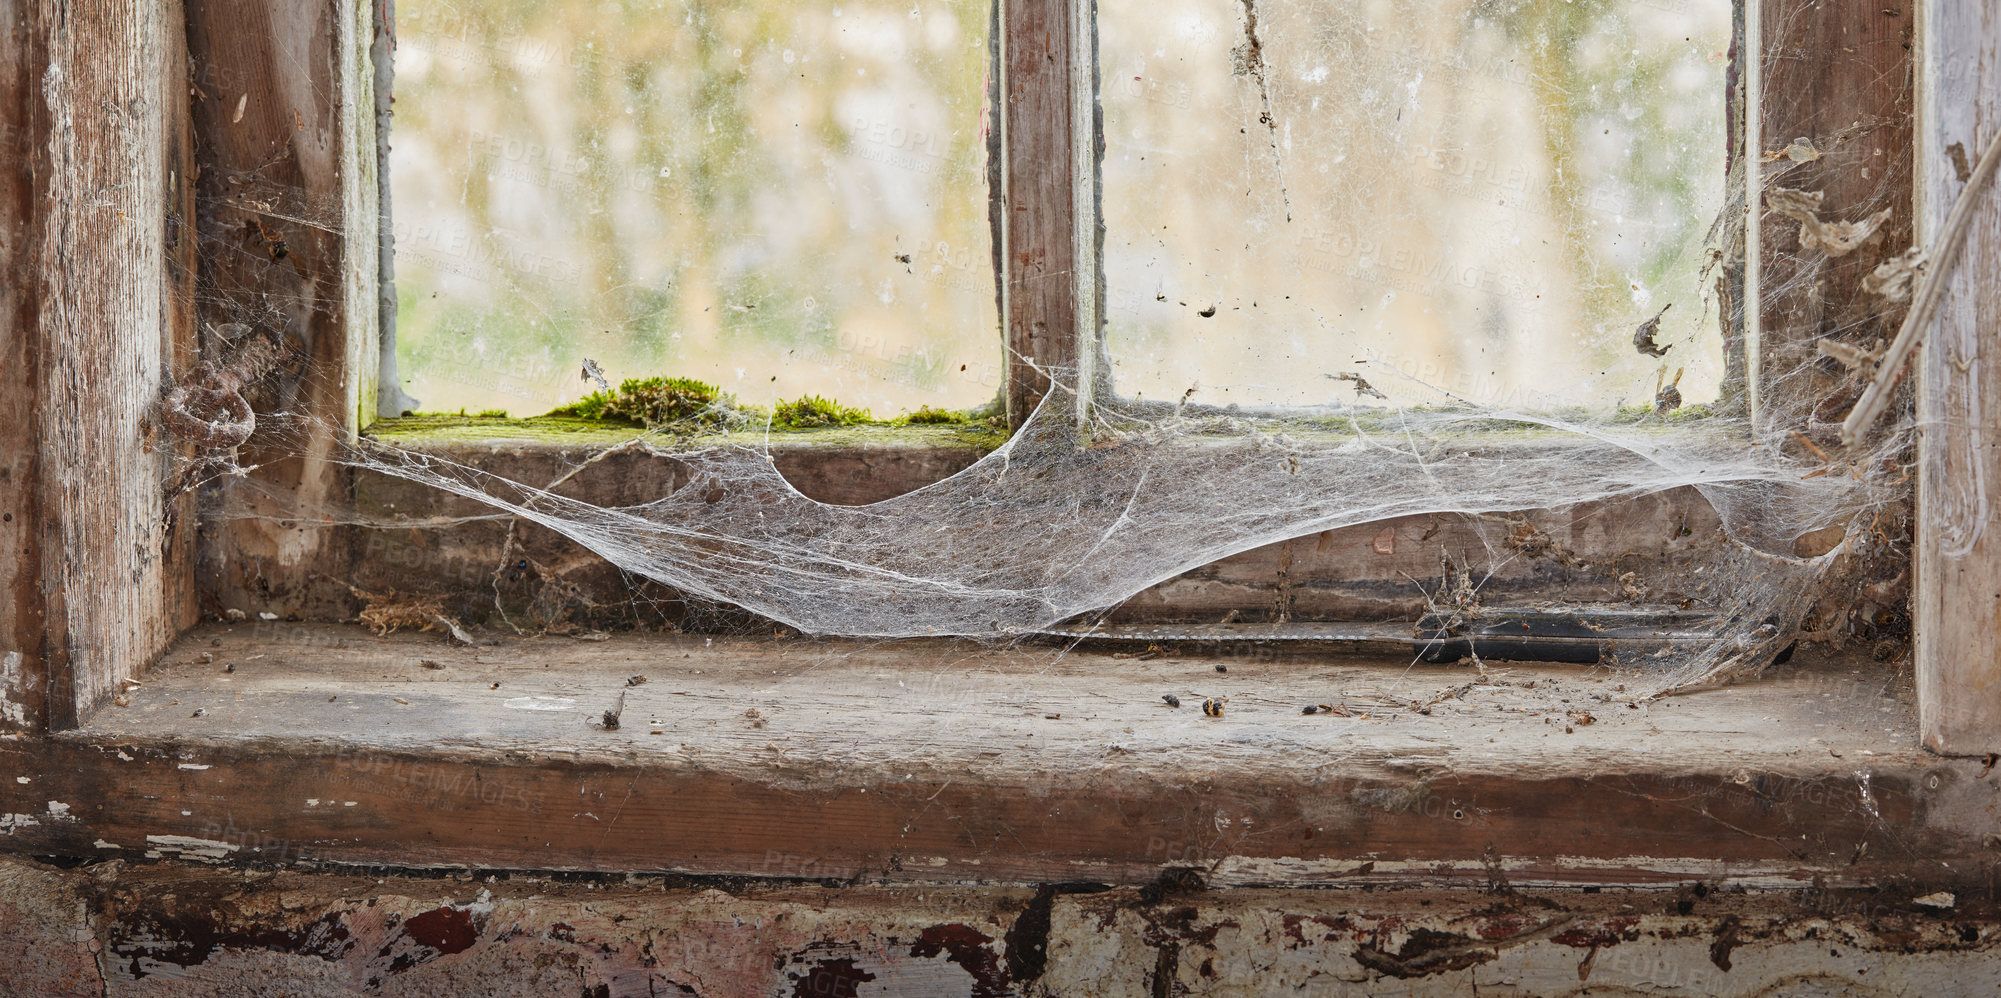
1485	195
777	197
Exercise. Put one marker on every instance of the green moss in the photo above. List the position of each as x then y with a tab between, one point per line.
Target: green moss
927	416
492	414
658	402
811	411
450	430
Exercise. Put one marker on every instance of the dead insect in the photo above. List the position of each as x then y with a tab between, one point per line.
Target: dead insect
1362	386
1643	337
1171	699
1317	708
429	663
1220	667
635	680
1207	312
1669	396
229	667
273	242
611	716
1213	706
199	711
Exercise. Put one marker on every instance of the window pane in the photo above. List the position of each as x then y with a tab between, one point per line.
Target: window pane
777	197
1487	195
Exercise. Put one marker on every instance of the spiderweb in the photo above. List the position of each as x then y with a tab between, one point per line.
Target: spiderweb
1642	373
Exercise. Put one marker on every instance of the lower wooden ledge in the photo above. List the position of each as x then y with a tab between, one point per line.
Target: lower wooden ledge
323	745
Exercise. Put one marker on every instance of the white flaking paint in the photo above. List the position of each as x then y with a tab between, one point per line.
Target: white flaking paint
188	847
101	844
22	779
192	765
11	711
9	822
59	811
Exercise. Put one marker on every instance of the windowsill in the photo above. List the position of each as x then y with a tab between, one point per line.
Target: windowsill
944	761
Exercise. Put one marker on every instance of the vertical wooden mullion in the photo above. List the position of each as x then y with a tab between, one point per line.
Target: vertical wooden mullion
96	571
1048	259
1838	73
286	114
1958	572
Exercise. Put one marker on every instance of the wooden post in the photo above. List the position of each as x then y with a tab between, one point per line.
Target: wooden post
1958	574
285	110
95	555
1837	73
1049	178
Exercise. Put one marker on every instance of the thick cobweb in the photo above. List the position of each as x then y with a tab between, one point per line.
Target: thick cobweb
1096	499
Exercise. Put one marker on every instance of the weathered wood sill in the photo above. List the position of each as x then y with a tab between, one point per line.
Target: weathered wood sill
944	761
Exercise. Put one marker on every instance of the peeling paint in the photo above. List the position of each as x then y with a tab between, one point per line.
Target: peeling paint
9	822
192	765
189	847
12	711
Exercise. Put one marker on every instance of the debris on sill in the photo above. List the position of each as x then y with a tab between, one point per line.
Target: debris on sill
387	613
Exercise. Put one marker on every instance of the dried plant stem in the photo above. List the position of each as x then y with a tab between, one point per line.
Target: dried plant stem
1876	397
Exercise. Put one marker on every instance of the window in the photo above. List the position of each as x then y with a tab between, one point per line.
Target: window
777	199
1475	199
107	564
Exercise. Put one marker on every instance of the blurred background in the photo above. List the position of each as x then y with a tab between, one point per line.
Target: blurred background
1482	197
776	197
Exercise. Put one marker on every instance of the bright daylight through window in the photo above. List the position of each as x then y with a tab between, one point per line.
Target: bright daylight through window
779	199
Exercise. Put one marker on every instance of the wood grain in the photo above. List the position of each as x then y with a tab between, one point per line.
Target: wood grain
1838	73
1958	576
927	761
1039	136
284	114
97	567
23	666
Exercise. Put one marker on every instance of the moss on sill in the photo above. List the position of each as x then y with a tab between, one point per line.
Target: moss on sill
425	430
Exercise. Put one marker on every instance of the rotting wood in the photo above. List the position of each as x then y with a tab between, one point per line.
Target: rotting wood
927	761
97	569
23	668
285	116
1040	135
1958	568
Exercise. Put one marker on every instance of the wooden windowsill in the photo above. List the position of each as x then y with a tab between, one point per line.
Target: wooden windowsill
946	761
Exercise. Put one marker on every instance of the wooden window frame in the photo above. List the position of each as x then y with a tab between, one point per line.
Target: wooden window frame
104	571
